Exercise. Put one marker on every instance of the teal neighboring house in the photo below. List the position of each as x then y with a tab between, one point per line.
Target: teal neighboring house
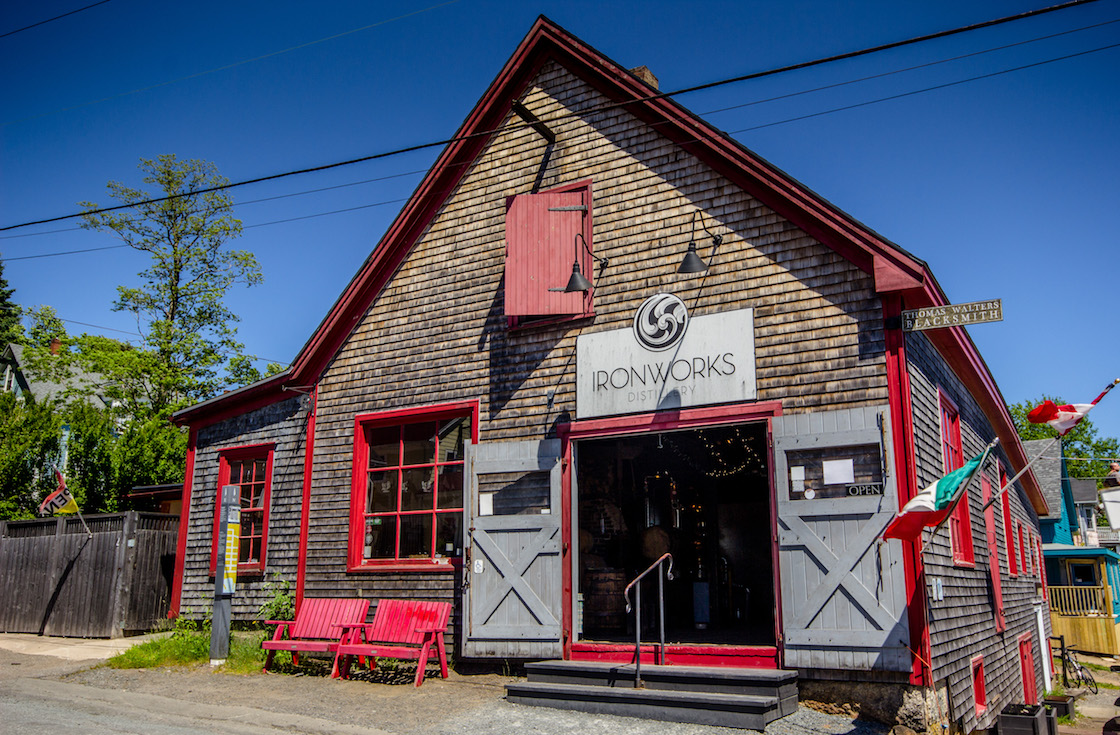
1083	577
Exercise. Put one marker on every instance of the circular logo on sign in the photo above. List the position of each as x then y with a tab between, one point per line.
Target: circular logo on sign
660	321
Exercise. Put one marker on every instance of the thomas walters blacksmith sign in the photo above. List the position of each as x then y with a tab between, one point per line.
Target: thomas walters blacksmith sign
666	360
952	315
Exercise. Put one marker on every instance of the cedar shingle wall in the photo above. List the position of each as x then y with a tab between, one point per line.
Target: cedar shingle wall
284	424
438	332
962	625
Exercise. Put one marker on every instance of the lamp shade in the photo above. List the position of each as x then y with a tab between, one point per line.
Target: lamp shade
577	282
692	262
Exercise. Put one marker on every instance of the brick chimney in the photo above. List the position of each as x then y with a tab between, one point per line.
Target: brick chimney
56	345
643	73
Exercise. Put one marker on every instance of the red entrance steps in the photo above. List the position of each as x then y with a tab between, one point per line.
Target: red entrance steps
742	698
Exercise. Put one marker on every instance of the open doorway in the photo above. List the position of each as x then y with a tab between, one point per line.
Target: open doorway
704	496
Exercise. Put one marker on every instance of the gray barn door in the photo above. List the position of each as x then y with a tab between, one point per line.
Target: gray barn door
843	590
513	581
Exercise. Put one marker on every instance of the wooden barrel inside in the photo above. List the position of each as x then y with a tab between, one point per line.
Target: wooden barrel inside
604	609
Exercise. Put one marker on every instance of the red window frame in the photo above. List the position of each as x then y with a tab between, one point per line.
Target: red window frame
993	552
952	453
382	423
1026	668
1024	558
534	275
1008	526
254	519
1042	572
979	688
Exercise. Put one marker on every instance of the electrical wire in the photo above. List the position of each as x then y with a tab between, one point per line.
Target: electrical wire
224	353
734	132
922	91
224	67
926	65
487	133
49	20
706	112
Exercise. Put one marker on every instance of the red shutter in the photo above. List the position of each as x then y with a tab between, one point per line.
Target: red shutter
1008	527
1026	668
541	246
993	552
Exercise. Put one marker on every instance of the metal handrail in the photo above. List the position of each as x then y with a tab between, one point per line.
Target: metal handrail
637	607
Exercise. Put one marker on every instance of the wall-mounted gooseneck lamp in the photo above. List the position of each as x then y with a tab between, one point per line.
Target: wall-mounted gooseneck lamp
692	262
578	282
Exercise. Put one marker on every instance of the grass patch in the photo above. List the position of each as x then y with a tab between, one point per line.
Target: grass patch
176	649
187	647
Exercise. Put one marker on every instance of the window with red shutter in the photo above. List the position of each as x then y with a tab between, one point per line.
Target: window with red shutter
993	553
960	522
979	689
541	248
1008	527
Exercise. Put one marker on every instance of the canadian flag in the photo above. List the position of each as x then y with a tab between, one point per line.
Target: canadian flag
1062	418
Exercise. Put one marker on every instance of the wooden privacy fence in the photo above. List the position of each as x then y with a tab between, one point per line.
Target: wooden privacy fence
57	580
1079	601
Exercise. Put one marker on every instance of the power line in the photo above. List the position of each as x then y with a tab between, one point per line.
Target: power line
706	112
65	252
907	69
49	20
921	91
486	133
224	353
734	132
225	67
249	201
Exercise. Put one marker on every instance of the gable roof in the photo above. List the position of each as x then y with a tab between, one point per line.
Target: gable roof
894	270
1048	471
13	356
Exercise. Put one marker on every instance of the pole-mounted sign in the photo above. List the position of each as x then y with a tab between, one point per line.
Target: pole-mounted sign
225	575
952	315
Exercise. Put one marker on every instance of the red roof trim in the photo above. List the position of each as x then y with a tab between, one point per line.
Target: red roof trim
894	270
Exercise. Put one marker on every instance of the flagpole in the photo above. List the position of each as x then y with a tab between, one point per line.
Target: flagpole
1022	472
1043	451
964	484
83	520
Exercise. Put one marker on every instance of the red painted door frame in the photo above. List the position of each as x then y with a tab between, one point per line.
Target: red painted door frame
649	423
902	425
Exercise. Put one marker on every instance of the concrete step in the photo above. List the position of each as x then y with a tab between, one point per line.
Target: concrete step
761	682
746	711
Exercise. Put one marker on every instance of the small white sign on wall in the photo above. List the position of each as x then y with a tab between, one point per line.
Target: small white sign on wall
666	361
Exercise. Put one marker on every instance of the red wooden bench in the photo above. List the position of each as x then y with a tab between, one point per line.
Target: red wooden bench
404	629
318	627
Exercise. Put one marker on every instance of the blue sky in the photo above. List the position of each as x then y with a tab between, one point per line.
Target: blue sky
1007	185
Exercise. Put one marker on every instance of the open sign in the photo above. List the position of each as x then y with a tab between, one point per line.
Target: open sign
870	488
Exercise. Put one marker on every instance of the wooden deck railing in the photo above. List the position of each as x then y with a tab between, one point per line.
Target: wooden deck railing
1079	601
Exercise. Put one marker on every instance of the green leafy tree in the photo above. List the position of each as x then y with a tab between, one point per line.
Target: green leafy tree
10	328
149	452
179	307
30	443
1086	451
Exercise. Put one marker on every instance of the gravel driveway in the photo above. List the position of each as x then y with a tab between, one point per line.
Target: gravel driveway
465	704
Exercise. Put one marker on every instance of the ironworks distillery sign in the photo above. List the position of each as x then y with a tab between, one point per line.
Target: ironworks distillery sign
666	360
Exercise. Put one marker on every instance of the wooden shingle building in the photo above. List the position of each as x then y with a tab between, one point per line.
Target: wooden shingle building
520	402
